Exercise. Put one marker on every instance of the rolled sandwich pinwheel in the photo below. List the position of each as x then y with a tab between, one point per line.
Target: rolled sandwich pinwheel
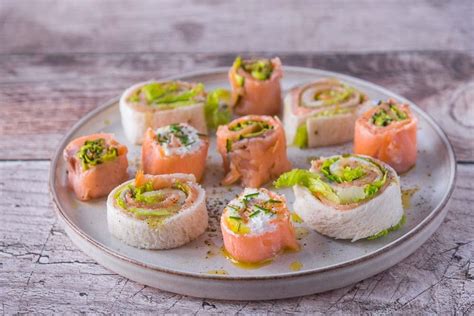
253	149
176	148
388	132
322	113
256	226
95	164
155	104
256	86
157	212
347	197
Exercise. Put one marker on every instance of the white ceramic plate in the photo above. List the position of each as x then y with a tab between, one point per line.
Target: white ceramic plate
199	268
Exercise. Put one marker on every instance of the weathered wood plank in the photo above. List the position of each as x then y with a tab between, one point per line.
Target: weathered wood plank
41	271
63	88
53	26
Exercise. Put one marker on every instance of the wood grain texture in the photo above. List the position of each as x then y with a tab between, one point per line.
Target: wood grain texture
41	271
59	59
63	88
57	26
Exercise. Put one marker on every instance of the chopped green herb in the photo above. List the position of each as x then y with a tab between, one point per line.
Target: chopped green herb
265	210
178	131
274	201
251	195
238	218
254	213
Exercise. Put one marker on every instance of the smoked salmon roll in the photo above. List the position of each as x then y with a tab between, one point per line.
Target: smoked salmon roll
157	212
176	148
256	226
322	113
95	165
347	197
155	104
256	86
388	132
253	149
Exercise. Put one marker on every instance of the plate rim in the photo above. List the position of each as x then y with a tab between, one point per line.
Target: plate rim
57	155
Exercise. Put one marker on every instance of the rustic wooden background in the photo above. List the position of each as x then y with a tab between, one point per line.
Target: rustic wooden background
60	59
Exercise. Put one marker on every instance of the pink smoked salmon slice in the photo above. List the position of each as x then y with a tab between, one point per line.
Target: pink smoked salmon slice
255	248
162	182
394	144
253	160
98	180
257	96
155	161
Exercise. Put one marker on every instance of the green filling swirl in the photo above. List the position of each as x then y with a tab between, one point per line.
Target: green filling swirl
95	152
260	69
385	116
323	183
147	195
168	95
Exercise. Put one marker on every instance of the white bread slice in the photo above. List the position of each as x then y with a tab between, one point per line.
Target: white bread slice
174	231
135	123
331	130
366	219
322	130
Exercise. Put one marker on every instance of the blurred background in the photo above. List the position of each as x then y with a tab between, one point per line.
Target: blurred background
69	56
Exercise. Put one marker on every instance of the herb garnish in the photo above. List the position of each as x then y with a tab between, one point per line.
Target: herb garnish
178	131
254	213
274	201
265	210
251	195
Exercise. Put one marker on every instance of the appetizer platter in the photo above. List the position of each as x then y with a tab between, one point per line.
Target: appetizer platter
252	182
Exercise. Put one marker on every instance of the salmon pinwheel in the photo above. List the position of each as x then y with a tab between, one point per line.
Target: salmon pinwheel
253	150
155	104
256	86
256	226
95	165
176	148
388	132
322	113
157	212
347	197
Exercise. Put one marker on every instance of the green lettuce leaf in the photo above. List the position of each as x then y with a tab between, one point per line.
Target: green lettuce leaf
301	136
389	230
308	180
215	113
372	188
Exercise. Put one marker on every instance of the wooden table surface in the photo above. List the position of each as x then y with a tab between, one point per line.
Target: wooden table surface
61	59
